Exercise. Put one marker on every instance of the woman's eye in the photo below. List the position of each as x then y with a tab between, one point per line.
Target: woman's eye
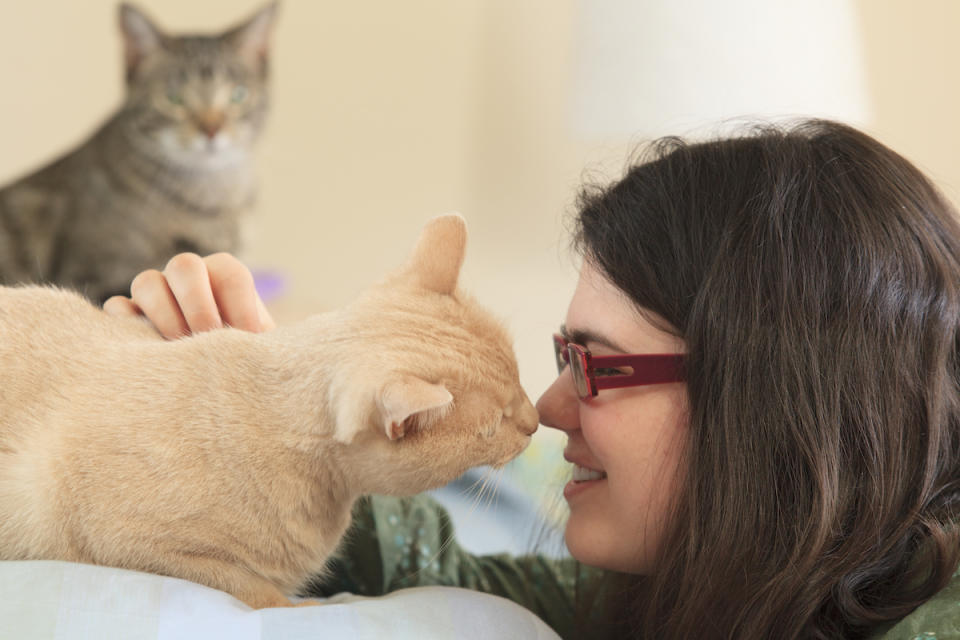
239	93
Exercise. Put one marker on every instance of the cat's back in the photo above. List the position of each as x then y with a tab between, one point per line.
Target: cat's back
47	342
52	342
34	310
43	326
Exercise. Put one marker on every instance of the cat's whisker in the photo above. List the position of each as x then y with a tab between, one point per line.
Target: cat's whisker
485	496
491	486
486	493
428	563
478	499
481	492
470	493
494	497
312	452
472	487
496	488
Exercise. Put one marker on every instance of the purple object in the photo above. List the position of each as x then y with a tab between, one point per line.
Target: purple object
270	284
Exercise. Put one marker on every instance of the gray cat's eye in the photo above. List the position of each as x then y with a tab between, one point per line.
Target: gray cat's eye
239	93
174	97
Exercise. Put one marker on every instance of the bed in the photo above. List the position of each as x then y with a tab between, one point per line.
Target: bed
66	601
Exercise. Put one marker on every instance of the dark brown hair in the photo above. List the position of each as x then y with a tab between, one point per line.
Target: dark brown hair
815	277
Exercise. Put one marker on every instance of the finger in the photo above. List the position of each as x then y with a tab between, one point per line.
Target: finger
150	291
266	320
187	277
234	292
121	307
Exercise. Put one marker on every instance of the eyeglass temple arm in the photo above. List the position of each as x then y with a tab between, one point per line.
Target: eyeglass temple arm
647	369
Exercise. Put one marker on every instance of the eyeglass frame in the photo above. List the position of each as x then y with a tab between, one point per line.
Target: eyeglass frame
648	368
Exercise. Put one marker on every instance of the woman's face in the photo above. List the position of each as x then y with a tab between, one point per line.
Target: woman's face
634	435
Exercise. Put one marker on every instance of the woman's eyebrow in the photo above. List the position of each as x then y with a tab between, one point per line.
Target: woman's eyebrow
583	336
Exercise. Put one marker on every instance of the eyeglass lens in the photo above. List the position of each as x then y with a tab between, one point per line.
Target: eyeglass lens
569	353
578	367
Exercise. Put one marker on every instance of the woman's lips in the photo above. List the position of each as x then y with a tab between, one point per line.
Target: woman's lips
584	474
583	479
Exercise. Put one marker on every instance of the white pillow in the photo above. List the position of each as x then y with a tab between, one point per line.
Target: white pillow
66	601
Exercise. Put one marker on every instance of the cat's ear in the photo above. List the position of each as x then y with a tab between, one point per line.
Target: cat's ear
252	38
411	402
396	407
438	256
140	37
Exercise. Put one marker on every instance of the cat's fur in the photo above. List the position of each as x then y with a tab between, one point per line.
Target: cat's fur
231	458
171	171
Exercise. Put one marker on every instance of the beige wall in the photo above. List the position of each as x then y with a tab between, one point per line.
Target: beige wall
387	113
912	51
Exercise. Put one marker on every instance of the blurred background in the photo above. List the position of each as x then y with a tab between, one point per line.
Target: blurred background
385	114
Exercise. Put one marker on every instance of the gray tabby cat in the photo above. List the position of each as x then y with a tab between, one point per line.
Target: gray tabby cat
171	171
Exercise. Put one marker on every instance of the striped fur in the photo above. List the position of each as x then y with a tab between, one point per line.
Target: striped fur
170	171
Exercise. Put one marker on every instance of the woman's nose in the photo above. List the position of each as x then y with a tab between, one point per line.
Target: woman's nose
559	406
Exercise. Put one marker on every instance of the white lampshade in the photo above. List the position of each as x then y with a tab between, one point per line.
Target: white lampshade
652	67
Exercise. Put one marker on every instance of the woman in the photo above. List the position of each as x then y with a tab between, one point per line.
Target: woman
798	478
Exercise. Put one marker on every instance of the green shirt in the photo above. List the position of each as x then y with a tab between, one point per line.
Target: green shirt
396	543
938	617
409	542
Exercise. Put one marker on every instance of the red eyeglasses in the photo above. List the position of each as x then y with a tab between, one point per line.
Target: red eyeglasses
592	373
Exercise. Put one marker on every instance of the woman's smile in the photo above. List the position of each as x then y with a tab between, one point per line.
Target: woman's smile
585	475
623	444
576	487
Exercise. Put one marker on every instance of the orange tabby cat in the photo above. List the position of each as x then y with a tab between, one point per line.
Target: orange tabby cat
231	458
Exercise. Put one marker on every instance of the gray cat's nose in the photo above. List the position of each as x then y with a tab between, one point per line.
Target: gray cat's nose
210	122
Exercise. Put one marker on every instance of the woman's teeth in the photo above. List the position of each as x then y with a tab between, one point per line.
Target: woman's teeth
582	474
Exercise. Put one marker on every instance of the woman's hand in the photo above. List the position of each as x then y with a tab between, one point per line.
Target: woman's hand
195	294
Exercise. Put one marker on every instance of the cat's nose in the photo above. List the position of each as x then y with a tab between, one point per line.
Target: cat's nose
210	122
530	420
526	416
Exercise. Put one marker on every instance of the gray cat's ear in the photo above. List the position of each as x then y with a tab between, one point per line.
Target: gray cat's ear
438	256
252	38
411	402
140	37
